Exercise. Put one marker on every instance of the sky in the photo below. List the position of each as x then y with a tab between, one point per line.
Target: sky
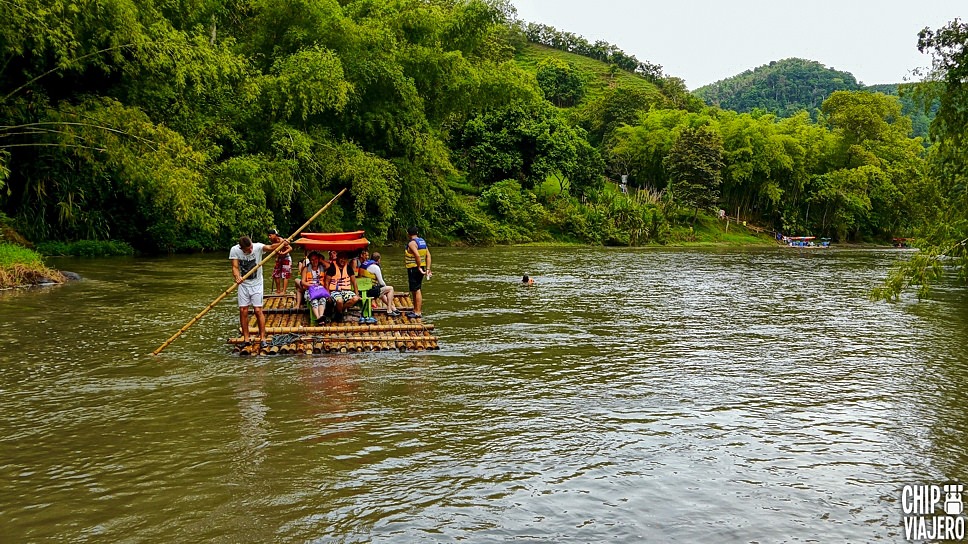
703	41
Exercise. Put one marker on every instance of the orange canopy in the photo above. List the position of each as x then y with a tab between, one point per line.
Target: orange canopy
354	235
309	244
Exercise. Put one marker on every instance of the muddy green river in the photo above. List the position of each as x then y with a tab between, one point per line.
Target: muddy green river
631	395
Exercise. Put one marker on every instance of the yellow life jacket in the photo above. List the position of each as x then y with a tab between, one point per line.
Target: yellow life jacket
421	250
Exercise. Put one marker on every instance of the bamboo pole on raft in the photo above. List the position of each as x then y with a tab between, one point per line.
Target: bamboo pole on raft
249	273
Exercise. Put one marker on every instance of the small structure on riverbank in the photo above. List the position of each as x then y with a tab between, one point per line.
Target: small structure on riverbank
289	331
902	243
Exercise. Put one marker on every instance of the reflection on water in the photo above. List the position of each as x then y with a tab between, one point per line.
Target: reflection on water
631	395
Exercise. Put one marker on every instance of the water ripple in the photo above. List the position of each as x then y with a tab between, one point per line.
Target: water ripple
632	395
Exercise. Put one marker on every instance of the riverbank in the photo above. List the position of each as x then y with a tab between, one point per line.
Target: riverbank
21	267
707	232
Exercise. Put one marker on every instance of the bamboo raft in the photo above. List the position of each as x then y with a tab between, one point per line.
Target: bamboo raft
288	330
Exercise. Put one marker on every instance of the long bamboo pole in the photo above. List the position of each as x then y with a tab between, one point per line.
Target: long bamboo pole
249	273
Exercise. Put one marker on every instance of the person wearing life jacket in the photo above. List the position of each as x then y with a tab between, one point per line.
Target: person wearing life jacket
361	257
417	260
303	264
341	282
370	268
314	278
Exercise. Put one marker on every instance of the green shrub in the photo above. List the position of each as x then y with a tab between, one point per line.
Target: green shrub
11	254
87	248
21	266
460	185
463	221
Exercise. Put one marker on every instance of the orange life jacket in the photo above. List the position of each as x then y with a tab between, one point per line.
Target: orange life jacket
341	281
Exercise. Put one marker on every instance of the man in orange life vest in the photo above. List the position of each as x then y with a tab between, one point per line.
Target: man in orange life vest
341	282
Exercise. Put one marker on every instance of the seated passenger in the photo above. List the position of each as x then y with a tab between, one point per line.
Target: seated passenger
313	279
362	257
371	269
300	288
341	282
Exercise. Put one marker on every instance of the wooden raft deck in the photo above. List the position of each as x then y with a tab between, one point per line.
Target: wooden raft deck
285	322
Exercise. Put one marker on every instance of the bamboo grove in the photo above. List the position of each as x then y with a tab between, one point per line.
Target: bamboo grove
178	126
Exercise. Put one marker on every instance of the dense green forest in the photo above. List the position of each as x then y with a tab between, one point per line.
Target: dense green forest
178	127
911	105
786	87
782	87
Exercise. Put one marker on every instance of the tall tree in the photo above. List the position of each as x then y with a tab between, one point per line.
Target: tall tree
526	142
560	82
615	107
695	166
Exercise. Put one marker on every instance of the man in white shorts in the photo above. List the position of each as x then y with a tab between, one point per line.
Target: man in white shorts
244	256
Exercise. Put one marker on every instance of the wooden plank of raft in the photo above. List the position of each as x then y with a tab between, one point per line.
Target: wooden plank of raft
345	328
417	340
343	344
279	311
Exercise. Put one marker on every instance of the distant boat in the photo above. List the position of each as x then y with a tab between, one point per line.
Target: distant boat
902	243
805	242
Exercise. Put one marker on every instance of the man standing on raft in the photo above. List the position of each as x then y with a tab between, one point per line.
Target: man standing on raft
417	259
245	255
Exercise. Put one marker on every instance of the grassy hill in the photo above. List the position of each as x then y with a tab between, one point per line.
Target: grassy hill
600	75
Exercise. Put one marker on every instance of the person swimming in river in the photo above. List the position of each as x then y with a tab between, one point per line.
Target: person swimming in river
527	280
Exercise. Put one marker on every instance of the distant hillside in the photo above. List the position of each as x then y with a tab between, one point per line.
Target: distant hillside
784	87
790	85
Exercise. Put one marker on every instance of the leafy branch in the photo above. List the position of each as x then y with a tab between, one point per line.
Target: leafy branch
61	67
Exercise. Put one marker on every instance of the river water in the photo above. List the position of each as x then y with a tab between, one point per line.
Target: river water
632	395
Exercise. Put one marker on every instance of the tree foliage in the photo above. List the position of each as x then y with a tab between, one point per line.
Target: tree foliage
560	82
695	167
599	50
524	142
180	126
788	86
943	232
855	174
783	87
